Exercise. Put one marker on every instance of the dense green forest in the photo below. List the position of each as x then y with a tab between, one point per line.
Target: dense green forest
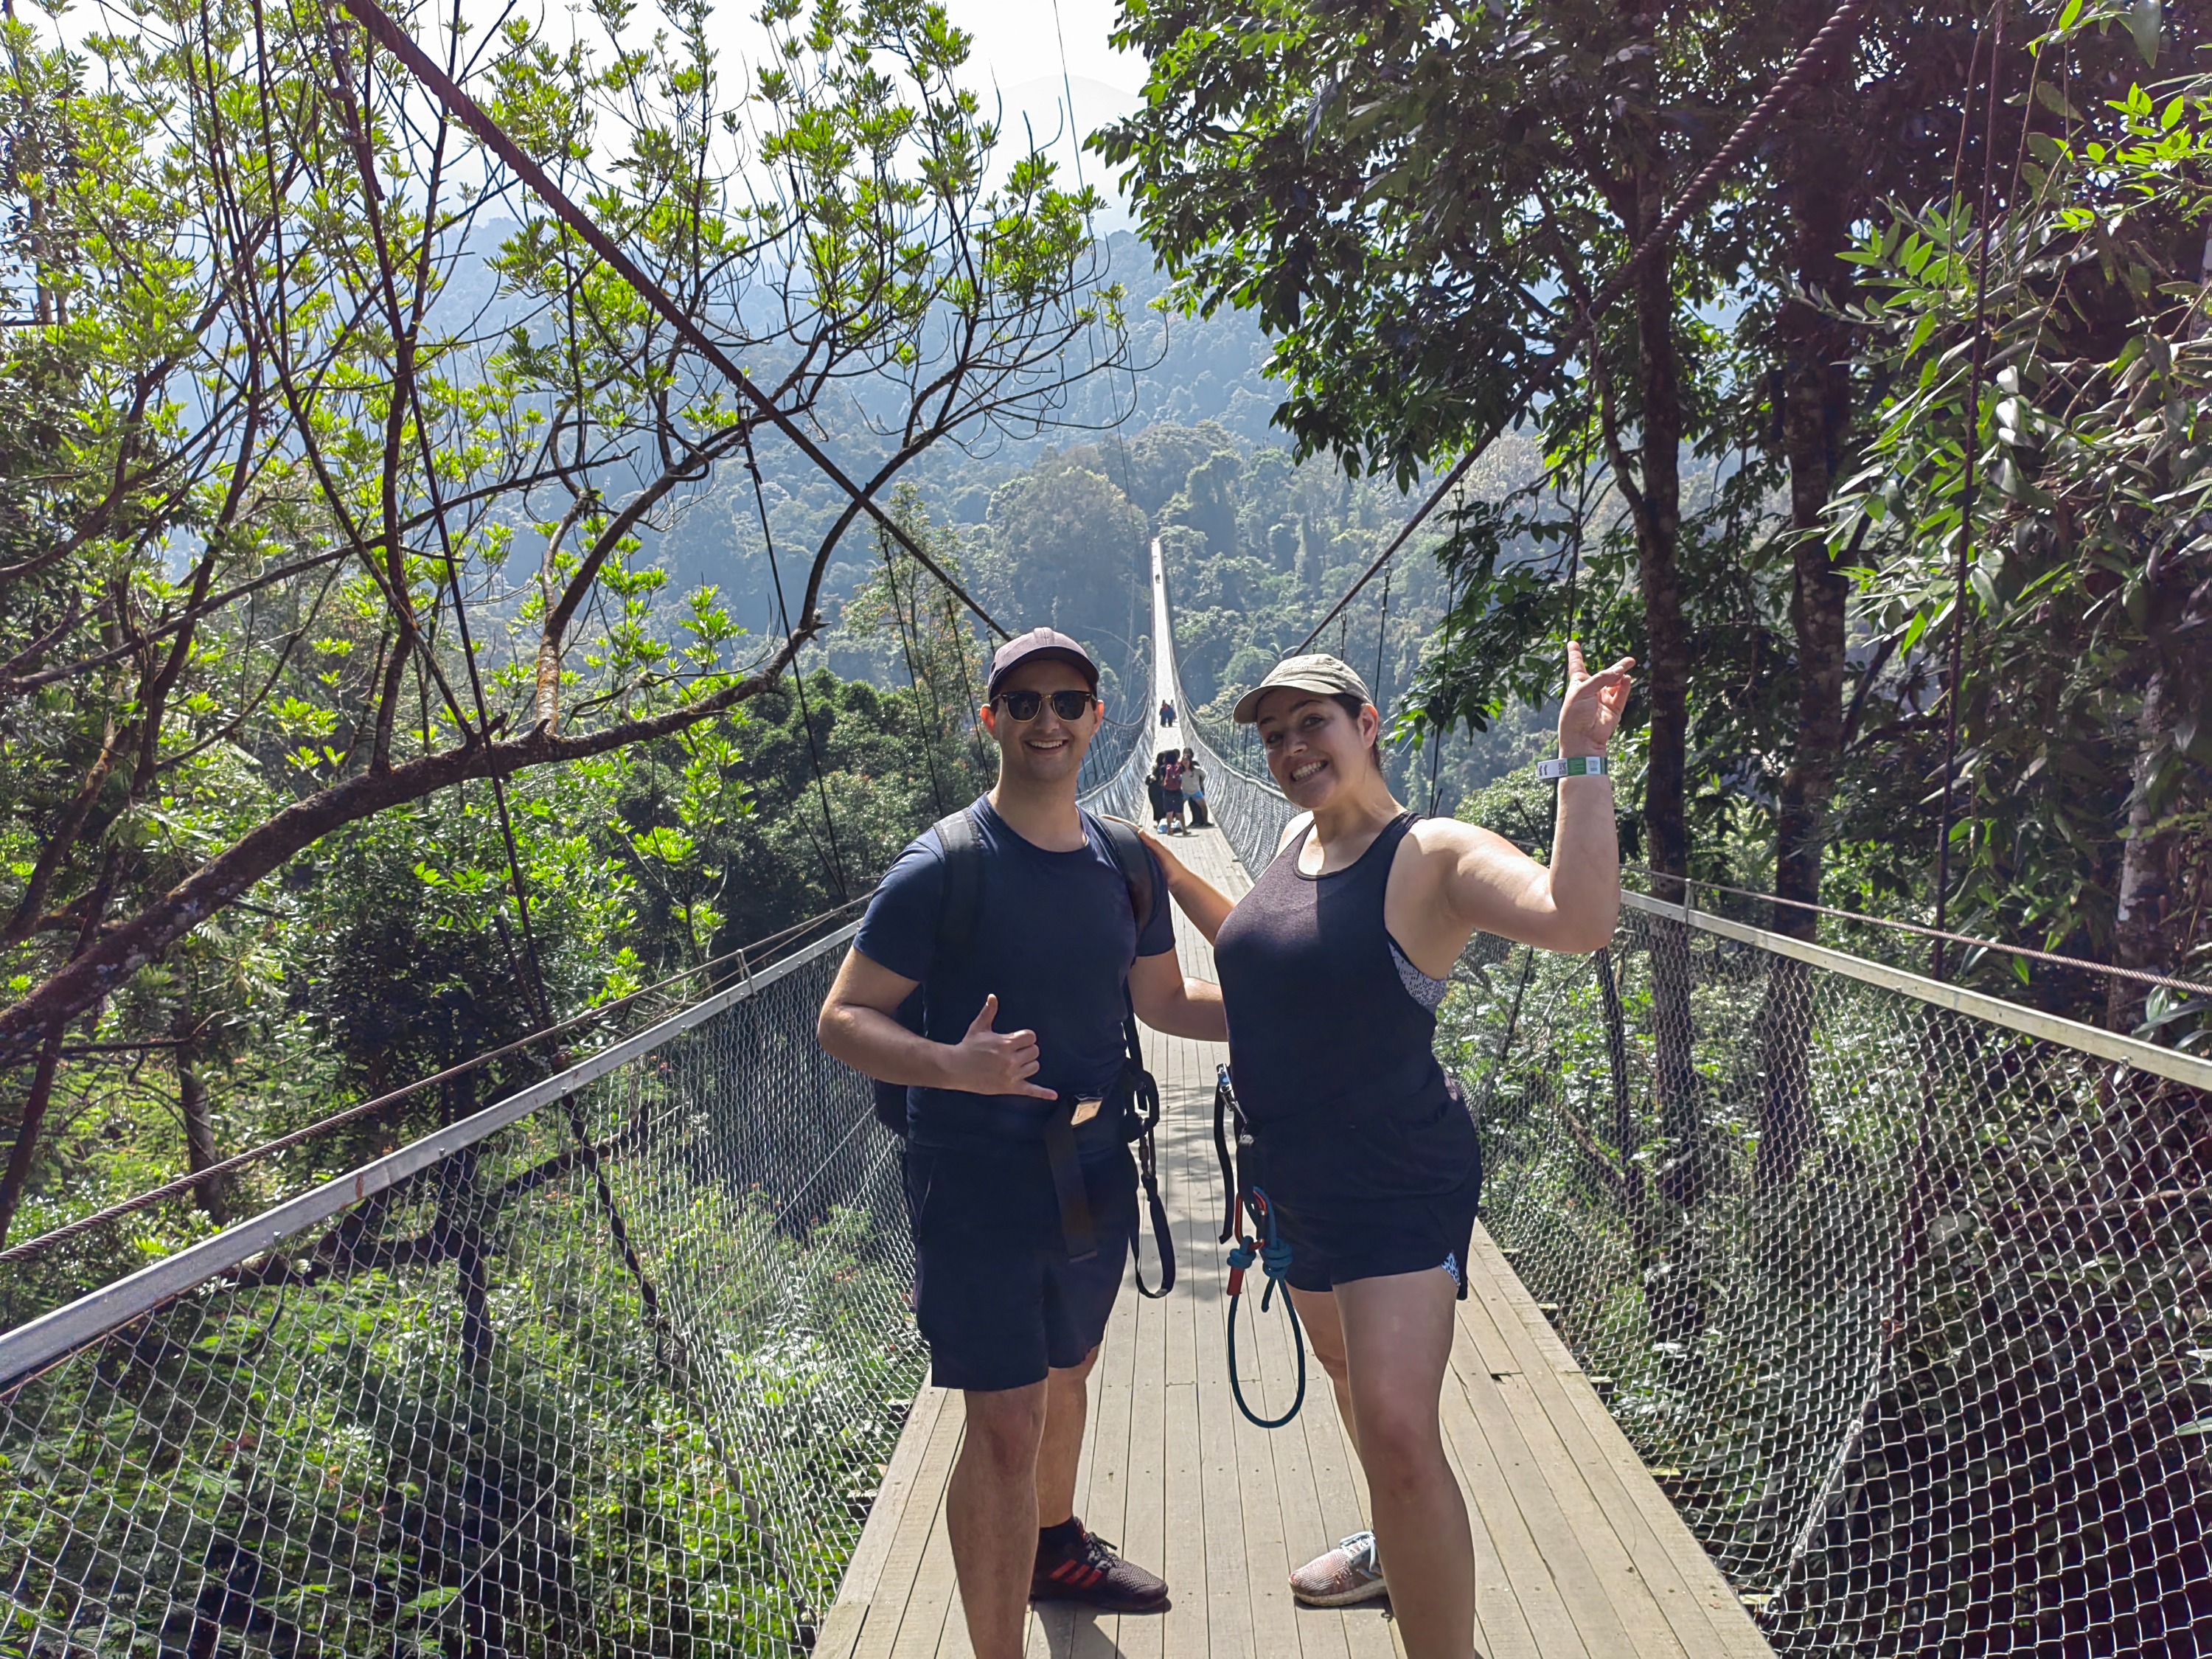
1891	469
356	533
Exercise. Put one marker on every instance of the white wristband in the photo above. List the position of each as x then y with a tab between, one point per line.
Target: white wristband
1573	766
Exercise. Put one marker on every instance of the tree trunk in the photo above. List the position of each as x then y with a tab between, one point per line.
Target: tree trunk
1675	1292
213	1195
2146	891
1815	394
30	1126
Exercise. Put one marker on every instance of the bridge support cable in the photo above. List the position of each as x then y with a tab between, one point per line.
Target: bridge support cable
1934	1380
427	1401
388	32
1841	26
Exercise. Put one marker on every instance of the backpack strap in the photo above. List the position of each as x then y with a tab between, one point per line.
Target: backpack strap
960	905
1135	864
959	908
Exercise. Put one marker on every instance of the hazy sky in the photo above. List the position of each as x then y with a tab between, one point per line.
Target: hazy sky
1015	41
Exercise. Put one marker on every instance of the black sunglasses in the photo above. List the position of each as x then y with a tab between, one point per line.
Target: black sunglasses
1025	705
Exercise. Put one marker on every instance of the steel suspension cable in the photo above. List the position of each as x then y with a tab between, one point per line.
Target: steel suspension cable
387	34
1844	23
1969	941
913	677
836	860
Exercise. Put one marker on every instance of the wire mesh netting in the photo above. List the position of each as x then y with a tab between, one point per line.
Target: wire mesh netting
620	1377
1112	752
1907	1311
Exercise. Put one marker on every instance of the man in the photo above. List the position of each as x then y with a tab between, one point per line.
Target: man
1193	788
1022	1031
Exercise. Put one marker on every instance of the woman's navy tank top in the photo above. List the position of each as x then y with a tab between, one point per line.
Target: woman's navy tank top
1333	1062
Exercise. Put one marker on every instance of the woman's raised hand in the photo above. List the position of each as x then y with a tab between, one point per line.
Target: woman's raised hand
1593	703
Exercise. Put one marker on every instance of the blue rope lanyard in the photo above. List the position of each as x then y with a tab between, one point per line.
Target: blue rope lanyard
1274	1259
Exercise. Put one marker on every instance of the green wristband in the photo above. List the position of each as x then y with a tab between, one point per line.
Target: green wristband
1573	766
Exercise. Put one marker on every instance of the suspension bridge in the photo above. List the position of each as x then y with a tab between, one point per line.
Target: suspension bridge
1819	1307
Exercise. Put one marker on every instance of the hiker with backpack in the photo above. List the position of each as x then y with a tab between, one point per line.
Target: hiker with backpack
1034	932
1361	1151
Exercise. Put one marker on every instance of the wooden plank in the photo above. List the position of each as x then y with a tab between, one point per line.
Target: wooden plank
1102	1488
903	1563
1264	1352
1141	1526
1502	1629
1612	1449
1543	1483
888	1522
1523	1570
1184	1631
1700	1603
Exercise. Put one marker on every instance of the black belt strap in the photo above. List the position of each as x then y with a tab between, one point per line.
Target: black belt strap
1082	1238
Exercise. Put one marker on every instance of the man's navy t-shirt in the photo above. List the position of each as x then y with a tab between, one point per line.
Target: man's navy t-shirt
1054	938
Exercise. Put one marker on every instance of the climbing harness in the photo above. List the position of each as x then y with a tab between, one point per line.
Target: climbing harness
1264	1246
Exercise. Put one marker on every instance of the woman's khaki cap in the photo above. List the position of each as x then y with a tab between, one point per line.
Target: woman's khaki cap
1318	672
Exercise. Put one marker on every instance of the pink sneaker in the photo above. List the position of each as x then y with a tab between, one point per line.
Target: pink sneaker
1351	1572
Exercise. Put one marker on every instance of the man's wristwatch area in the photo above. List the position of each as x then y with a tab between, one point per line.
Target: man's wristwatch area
1572	766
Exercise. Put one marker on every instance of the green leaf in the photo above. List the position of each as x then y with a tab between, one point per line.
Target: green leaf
2145	22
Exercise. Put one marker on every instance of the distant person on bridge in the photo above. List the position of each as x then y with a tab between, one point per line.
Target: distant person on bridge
1167	712
1193	788
1021	1040
1331	968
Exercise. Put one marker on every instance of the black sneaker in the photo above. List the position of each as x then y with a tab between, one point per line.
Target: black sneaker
1088	1571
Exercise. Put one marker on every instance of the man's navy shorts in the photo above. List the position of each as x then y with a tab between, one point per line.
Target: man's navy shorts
1001	1305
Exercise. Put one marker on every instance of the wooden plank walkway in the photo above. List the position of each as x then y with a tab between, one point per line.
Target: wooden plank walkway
1577	1550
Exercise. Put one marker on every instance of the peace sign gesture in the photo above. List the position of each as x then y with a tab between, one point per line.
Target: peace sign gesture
1593	703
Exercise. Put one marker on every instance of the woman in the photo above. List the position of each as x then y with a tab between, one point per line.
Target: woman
1171	792
1193	788
1331	968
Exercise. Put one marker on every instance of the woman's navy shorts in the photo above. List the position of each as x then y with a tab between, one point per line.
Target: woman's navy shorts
1375	1239
996	1298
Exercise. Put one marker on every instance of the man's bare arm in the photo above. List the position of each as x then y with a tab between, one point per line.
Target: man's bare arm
1167	1002
859	1024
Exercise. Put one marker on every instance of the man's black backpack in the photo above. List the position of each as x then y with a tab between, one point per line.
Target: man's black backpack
960	907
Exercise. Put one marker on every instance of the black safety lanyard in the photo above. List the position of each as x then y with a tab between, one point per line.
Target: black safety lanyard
1241	1201
1146	1101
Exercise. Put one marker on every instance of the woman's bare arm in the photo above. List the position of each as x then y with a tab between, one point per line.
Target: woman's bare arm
1486	883
1205	905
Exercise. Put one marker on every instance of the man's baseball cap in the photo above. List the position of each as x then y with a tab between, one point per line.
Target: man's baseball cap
1045	643
1318	672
